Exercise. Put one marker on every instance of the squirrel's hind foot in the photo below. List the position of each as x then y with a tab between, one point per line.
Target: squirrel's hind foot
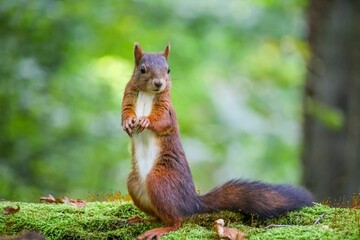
157	233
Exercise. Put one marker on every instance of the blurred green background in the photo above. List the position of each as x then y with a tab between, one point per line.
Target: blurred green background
237	67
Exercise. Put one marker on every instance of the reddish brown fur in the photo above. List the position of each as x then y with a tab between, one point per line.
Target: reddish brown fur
168	192
164	176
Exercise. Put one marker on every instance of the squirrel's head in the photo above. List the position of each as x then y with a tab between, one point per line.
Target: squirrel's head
152	72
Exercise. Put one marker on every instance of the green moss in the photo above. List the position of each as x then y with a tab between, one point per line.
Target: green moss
106	220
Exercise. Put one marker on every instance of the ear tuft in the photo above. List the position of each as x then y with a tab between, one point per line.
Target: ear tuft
137	53
167	51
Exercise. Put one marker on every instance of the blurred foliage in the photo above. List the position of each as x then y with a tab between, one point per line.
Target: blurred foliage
237	70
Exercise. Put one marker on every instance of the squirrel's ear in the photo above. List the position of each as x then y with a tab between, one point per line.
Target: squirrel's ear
167	51
137	53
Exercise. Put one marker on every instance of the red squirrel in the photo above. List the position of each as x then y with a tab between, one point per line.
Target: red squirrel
160	182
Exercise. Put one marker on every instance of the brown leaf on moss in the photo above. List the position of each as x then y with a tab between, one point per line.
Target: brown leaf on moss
10	210
77	203
226	232
48	199
65	200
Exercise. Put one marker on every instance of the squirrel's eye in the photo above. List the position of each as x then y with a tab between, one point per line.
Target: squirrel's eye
142	69
168	70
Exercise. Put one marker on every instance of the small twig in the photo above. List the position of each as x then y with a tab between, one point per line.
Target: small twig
319	218
278	225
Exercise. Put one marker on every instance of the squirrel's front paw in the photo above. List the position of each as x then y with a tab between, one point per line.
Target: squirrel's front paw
143	123
128	125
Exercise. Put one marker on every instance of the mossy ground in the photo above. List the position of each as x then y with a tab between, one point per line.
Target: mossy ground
106	220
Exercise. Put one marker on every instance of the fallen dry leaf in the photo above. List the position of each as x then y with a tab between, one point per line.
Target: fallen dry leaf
78	203
66	200
226	232
48	199
10	210
63	200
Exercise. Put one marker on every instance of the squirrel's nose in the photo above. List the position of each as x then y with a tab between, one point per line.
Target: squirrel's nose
158	84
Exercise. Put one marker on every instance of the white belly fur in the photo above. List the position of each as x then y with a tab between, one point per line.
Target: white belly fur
145	143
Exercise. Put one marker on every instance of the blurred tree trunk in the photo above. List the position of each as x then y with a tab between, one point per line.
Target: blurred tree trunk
331	147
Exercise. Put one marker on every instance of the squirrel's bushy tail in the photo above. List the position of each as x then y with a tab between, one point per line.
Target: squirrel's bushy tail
253	197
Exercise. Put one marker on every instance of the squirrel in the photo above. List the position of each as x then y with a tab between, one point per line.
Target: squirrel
160	182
